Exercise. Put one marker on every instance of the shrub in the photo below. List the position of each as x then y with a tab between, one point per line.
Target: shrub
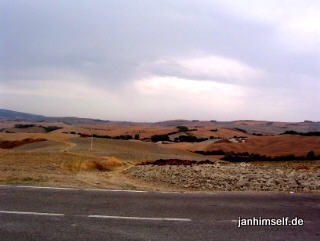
310	155
111	163
98	136
156	138
136	136
242	130
51	128
122	137
22	126
217	152
189	138
91	165
162	162
182	128
246	157
312	133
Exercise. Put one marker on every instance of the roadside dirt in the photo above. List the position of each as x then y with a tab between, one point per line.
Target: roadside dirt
60	165
299	176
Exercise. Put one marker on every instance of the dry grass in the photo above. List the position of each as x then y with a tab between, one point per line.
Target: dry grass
111	163
27	179
45	168
108	164
64	159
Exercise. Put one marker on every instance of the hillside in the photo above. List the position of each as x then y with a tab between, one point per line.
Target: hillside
9	114
246	126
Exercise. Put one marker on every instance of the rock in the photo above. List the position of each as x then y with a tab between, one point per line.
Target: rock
229	177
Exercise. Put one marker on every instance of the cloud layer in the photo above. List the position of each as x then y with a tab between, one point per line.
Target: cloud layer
158	60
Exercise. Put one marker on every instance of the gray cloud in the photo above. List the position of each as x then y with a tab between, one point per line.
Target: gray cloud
112	44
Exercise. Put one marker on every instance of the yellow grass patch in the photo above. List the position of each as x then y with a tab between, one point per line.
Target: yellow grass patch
111	163
108	164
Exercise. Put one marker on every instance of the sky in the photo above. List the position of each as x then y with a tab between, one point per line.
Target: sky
161	60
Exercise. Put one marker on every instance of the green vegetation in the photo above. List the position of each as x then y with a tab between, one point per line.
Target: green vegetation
312	133
256	134
51	128
182	138
217	152
46	128
189	139
122	137
242	130
182	128
246	157
240	137
156	138
23	126
100	136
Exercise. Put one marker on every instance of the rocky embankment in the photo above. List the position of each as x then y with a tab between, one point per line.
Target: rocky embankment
222	176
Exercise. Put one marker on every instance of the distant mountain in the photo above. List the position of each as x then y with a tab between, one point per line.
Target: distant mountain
22	116
249	126
10	114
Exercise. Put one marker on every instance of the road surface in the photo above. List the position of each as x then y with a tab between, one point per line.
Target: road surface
32	213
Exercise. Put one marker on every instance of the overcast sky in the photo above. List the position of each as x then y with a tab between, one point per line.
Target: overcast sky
160	60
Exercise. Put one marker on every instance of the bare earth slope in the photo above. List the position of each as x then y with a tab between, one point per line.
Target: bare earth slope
65	159
264	145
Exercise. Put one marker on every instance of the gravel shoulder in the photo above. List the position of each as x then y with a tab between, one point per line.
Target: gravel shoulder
303	176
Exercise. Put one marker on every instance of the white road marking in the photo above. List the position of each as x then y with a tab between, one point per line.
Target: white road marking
97	216
140	218
166	192
112	190
74	189
85	189
106	190
32	213
54	188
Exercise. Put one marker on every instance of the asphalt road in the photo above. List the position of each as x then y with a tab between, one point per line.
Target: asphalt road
28	213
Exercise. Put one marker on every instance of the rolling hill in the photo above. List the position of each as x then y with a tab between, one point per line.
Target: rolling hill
246	126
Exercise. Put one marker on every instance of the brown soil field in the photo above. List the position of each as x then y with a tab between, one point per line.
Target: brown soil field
264	145
144	132
131	151
66	159
16	143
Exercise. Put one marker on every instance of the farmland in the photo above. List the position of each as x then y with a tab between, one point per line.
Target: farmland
59	154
